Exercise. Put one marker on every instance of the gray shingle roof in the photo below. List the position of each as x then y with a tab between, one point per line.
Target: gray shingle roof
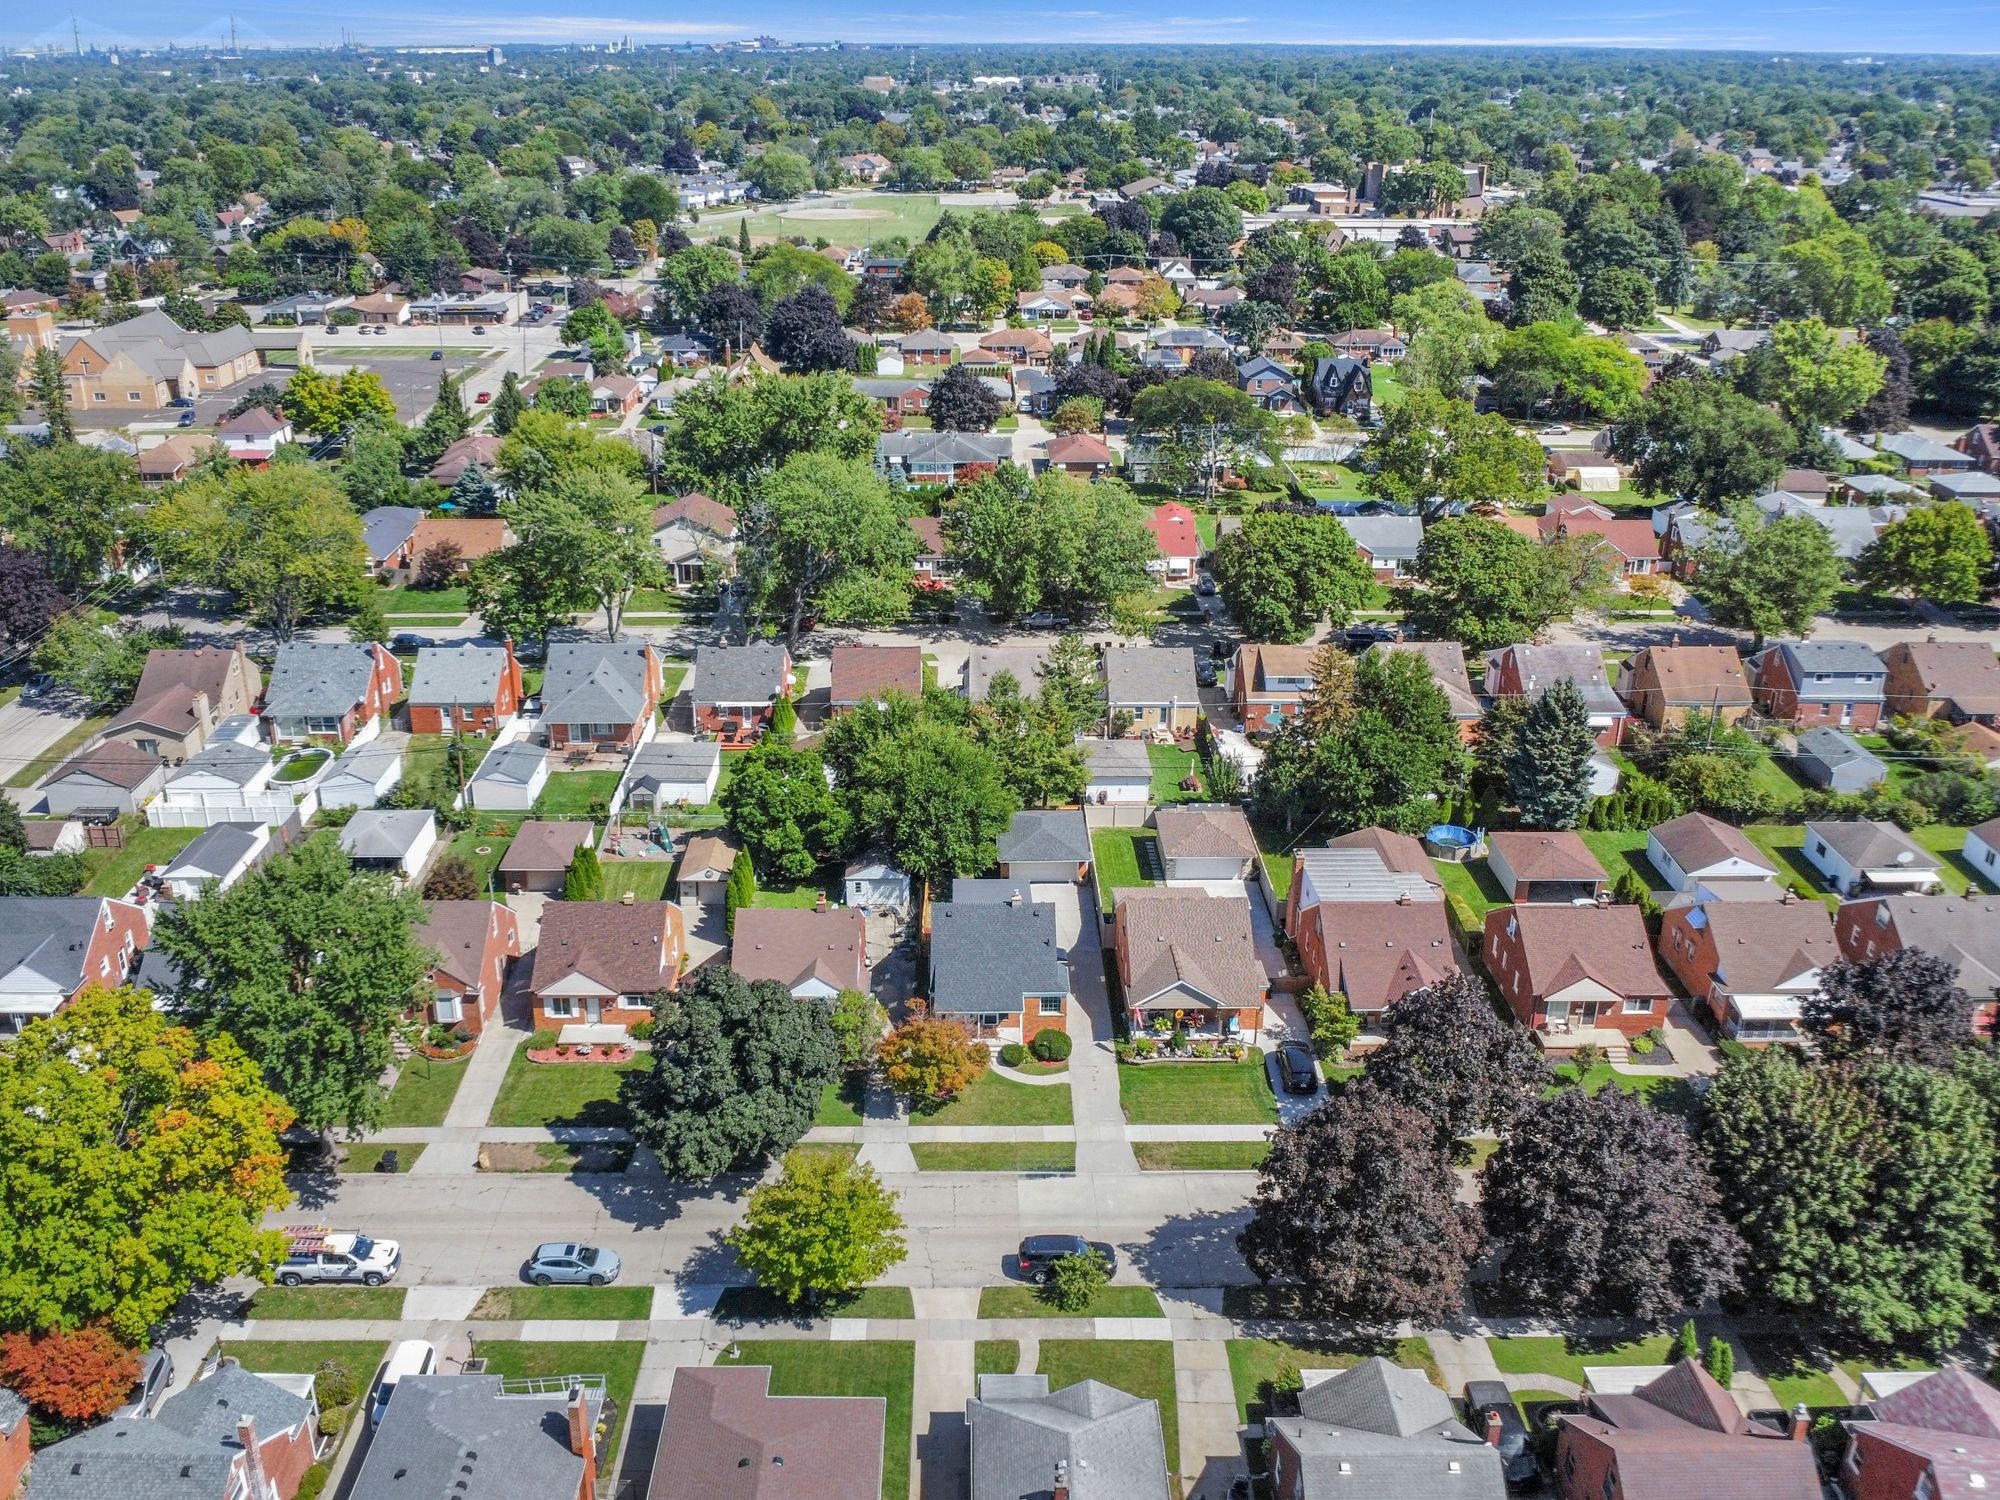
915	444
1541	667
214	852
226	760
1109	1441
594	682
47	935
1388	1433
516	1446
318	678
738	674
674	761
1386	537
984	958
384	832
1870	845
447	676
1849	657
1831	748
1150	674
1045	838
387	527
1120	760
515	762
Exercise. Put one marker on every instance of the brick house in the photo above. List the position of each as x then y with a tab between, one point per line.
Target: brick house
1576	974
1269	685
1021	346
1959	680
1663	684
1370	344
601	693
1083	455
475	942
1813	683
1529	671
998	967
1962	930
1982	444
1676	1437
601	962
329	690
182	696
932	563
471	688
13	1440
864	674
1939	1436
736	687
1155	684
814	954
1189	959
1632	545
1750	962
1368	915
53	948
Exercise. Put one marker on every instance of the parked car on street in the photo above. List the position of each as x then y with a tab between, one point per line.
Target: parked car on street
437	354
1491	1414
578	1265
1040	1252
156	1377
482	398
323	1255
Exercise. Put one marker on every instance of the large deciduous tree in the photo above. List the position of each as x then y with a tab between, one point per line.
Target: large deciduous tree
726	437
1769	575
1905	1006
961	402
1204	428
1433	447
805	333
1450	1056
30	598
1548	766
1937	552
1606	1208
1484	585
1356	1210
781	807
1025	542
823	539
308	965
1693	437
69	505
919	788
825	1227
737	1071
1284	572
140	1162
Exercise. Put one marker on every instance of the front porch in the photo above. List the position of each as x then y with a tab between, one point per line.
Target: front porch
1560	1040
1200	1023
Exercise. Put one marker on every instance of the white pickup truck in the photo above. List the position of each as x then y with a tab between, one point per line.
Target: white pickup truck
315	1254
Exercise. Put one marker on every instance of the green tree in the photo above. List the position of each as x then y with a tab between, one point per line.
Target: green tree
1024	542
599	527
371	472
283	540
1074	1281
825	540
1687	1343
308	964
920	789
738	1067
508	405
1768	575
584	879
779	174
742	889
1435	447
1330	1021
1814	378
1484	585
1937	552
1206	224
789	820
1617	297
1283	572
858	1021
92	654
1548	773
319	404
1449	335
1204	428
726	437
50	393
1542	289
141	1162
1721	1360
1694	438
70	505
825	1227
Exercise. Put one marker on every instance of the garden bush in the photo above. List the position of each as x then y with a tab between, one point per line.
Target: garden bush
543	1039
1052	1046
642	1031
335	1384
1013	1054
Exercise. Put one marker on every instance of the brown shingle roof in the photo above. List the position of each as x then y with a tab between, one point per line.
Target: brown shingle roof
629	950
1696	841
1763	945
793	945
1180	937
1965	674
165	696
474	536
864	673
727	1438
698	510
1214	832
1708	675
114	761
457	932
1378	951
544	844
1564	944
1261	661
1546	856
930	535
1682	1435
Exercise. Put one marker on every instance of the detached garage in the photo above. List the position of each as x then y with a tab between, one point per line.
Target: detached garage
1053	847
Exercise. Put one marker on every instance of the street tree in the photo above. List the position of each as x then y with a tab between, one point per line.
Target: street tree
823	1228
1605	1207
308	965
1284	572
824	540
737	1071
779	804
1692	437
98	657
1356	1208
1937	552
30	600
1205	223
1904	1006
1204	428
1770	575
1548	769
141	1162
1451	1057
1484	585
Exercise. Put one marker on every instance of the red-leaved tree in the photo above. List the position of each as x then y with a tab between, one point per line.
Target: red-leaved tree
79	1376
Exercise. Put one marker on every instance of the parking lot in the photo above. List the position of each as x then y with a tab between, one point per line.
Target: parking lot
410	374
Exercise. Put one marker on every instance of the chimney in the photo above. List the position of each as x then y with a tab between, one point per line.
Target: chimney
583	1440
1061	1488
1801	1421
258	1483
1402	898
820	904
1493	1425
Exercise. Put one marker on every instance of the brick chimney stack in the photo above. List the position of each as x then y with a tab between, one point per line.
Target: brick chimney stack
258	1483
1493	1425
583	1440
1801	1422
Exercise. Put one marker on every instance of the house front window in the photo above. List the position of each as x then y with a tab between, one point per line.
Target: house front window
322	724
1051	1005
449	1010
560	1009
1638	1004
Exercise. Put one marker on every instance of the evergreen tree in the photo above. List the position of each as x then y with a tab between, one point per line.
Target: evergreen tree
1687	1343
743	237
474	494
584	880
1721	1360
508	405
742	889
46	387
1548	773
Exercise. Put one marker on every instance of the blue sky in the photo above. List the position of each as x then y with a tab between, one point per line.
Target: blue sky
1765	26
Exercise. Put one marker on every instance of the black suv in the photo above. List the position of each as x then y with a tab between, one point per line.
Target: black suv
1295	1068
1040	1252
1487	1399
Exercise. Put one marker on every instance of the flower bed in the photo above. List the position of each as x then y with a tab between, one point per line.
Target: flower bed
1141	1050
449	1054
596	1053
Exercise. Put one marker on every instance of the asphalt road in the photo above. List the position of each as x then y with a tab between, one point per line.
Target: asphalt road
26	731
1170	1229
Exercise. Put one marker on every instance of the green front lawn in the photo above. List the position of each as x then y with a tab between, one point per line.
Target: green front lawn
801	1367
1255	1363
1170	765
290	1303
993	1100
364	1156
995	1156
562	1093
995	1357
1139	1367
1198	1093
617	1361
642	879
424	1090
1121	864
575	793
1028	1302
840	1102
113	872
408	600
1565	1358
510	1304
1794	1372
1200	1156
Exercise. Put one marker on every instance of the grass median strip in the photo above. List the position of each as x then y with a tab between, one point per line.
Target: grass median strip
994	1156
366	1156
1026	1302
555	1156
756	1304
1200	1156
803	1367
506	1304
296	1303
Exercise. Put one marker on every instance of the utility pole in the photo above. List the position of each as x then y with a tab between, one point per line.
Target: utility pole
75	35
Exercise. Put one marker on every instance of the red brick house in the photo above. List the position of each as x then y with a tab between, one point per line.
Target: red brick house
1081	454
1964	930
1939	1437
1814	683
1663	684
1983	444
1528	671
1189	959
1021	346
326	690
53	948
736	687
601	693
13	1441
930	563
1576	974
1270	685
475	942
997	967
471	688
1633	547
1958	680
1676	1438
1367	912
601	962
1750	962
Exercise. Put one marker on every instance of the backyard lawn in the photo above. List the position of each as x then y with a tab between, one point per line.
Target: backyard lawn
993	1100
802	1367
616	1360
1565	1358
794	895
1277	846
1140	1367
506	1304
1027	1302
1198	1093
562	1093
1786	847
113	872
994	1156
1472	883
643	879
1254	1364
1170	765
327	1302
492	832
1622	850
427	753
1124	858
1200	1156
573	793
424	1090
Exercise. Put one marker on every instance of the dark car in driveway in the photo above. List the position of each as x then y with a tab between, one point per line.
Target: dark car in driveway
1296	1070
1040	1252
1488	1402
